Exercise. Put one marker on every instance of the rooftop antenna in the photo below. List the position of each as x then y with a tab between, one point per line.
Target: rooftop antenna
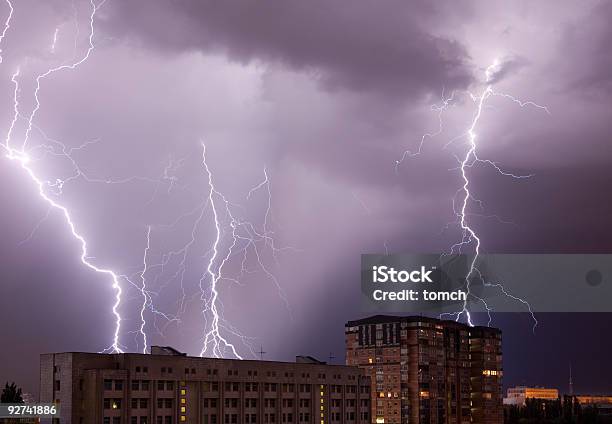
571	384
261	352
331	356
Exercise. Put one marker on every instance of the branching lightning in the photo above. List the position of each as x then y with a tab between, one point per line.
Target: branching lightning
247	241
243	236
20	156
233	239
213	337
470	158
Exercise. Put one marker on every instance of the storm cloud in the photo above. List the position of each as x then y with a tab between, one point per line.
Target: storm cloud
326	97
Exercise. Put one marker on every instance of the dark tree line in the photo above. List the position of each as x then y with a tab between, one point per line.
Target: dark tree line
564	410
11	394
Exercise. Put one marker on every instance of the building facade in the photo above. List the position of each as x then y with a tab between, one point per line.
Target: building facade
425	370
594	399
167	387
518	395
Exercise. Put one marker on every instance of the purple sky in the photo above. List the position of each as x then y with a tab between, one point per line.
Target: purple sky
326	98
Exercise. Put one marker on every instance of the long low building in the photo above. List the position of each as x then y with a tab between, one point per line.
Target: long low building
167	387
594	399
518	395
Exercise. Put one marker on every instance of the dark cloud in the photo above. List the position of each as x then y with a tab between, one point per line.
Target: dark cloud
391	48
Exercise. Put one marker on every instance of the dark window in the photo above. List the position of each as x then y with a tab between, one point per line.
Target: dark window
107	403
106	420
134	420
108	384
160	385
135	385
169	385
144	385
57	386
118	384
116	420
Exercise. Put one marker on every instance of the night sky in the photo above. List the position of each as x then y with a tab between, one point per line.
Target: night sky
324	97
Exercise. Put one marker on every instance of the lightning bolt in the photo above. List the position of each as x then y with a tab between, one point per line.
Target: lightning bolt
143	290
470	158
234	239
213	336
7	25
215	343
20	156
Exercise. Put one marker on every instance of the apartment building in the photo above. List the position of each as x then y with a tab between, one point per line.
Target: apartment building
425	370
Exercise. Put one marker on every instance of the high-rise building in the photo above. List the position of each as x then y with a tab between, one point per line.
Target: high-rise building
425	370
167	387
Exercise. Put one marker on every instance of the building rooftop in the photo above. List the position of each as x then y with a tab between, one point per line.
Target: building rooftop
165	351
378	319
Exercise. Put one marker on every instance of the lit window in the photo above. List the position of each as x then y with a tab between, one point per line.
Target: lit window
183	418
183	391
370	360
183	409
183	401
